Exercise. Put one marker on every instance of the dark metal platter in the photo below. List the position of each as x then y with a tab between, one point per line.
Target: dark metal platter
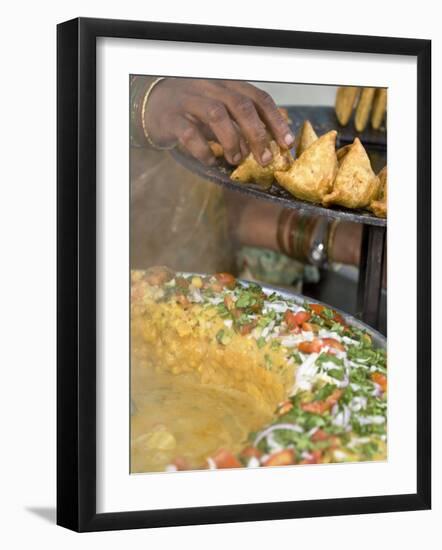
322	119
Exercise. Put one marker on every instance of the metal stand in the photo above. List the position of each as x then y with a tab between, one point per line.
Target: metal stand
370	274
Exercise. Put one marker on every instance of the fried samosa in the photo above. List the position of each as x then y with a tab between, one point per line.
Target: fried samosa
311	176
341	152
379	108
305	138
379	206
363	109
345	100
250	171
356	185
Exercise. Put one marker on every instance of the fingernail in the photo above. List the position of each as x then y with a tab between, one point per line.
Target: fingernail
237	157
266	156
289	138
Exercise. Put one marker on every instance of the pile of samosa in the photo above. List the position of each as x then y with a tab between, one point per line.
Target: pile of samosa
368	103
320	174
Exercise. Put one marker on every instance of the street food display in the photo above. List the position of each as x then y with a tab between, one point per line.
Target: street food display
242	375
319	174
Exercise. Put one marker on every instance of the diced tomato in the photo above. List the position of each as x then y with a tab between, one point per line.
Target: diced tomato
181	463
320	407
314	407
289	318
332	343
285	407
380	379
315	458
247	329
307	327
226	459
319	435
251	452
296	319
310	347
317	308
281	458
226	279
338	318
302	317
181	299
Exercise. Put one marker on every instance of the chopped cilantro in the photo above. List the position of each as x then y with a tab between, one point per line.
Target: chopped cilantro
324	392
261	342
336	373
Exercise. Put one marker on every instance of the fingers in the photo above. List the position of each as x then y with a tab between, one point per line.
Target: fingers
267	110
214	114
243	111
192	139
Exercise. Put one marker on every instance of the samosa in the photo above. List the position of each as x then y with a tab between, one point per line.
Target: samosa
250	171
363	109
356	185
345	100
311	176
379	206
379	108
341	152
305	138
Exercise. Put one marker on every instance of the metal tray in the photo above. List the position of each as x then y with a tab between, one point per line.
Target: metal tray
323	119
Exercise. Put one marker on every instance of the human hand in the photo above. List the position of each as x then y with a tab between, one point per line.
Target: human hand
236	114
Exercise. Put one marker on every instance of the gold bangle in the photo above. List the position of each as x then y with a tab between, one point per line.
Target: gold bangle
144	114
330	239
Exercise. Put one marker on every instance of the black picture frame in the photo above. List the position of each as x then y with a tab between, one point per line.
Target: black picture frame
76	273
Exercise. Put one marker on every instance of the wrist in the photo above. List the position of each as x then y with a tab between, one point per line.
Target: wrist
151	112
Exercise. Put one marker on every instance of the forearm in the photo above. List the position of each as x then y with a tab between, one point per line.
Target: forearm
255	223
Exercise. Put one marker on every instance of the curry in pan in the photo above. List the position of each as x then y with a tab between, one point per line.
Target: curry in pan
228	374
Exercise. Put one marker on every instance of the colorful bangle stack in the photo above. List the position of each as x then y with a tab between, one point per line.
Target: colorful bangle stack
294	234
308	239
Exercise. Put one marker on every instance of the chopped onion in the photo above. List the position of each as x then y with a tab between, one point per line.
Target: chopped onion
211	463
270	429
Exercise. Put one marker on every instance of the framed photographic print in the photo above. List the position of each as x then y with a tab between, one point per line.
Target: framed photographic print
230	301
